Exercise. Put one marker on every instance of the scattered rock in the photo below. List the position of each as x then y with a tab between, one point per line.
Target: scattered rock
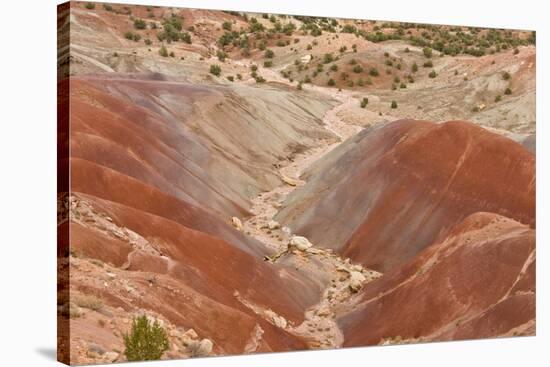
95	349
191	334
273	224
201	348
110	357
290	181
356	281
301	243
237	223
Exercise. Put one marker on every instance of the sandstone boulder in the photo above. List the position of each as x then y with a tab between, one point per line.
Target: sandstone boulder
201	348
301	243
273	224
237	223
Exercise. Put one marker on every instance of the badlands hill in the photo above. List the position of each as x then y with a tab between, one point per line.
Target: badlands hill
450	291
262	183
404	184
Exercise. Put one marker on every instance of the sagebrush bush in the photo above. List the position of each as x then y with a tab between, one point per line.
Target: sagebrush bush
364	102
140	24
393	104
146	341
215	70
163	51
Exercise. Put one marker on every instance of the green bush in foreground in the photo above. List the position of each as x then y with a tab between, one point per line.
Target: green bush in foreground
364	102
146	341
393	104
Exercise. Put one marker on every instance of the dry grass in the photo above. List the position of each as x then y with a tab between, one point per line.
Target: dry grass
89	302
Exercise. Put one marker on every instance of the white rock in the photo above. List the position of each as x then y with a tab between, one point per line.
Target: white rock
356	280
201	348
301	243
237	223
273	224
192	334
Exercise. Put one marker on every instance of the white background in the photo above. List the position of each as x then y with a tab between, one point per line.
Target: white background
28	176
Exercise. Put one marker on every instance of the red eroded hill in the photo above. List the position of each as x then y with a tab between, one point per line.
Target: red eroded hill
391	191
477	282
154	180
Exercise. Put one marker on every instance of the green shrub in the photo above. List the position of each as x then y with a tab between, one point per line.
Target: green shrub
428	64
268	64
331	83
89	6
269	54
507	91
163	51
506	75
146	341
281	43
373	72
140	24
299	86
221	55
357	69
432	74
498	98
360	82
227	25
353	62
239	76
427	52
364	102
402	85
107	7
230	78
172	54
148	42
259	79
393	104
129	35
328	58
215	70
254	67
334	67
414	68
